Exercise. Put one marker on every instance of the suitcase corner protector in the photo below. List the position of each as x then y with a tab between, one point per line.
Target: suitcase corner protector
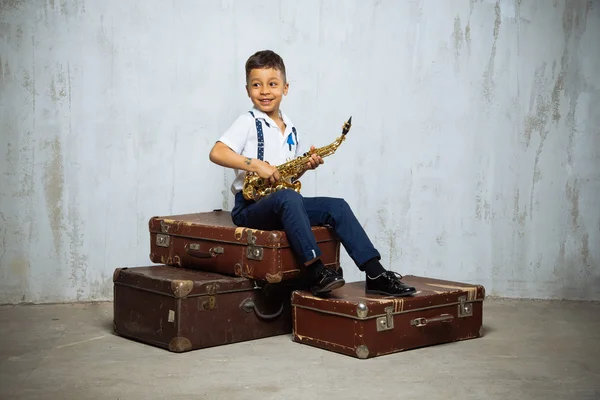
116	274
151	220
180	344
181	288
362	352
274	237
274	278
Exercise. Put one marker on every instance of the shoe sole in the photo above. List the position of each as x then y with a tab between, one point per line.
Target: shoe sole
332	286
389	294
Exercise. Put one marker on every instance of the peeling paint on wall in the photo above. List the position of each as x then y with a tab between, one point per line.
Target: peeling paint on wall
488	75
390	235
57	94
572	192
574	26
7	72
77	261
53	189
19	268
8	5
226	190
468	37
518	216
4	235
457	37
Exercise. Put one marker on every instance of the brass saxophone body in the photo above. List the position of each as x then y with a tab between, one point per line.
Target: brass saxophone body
255	187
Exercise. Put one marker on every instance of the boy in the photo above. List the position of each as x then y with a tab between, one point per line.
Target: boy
265	137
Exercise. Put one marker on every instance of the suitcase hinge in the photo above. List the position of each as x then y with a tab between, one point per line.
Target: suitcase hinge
164	228
163	240
386	323
464	309
211	303
253	252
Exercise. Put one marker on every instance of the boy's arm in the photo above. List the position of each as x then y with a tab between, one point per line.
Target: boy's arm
224	156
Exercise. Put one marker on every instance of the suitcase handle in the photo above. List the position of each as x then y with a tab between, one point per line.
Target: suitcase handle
193	250
419	322
248	305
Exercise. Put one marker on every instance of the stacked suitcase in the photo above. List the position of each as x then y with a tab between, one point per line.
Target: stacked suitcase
213	283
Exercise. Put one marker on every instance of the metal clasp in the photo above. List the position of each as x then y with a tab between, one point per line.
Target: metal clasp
464	309
163	240
253	252
217	250
211	303
386	323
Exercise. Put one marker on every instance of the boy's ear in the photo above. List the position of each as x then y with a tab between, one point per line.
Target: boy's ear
285	88
247	91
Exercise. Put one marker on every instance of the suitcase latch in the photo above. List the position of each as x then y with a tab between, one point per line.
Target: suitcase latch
211	303
162	240
386	323
253	252
464	309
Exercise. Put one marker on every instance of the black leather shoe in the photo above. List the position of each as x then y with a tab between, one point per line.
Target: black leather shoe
326	280
388	284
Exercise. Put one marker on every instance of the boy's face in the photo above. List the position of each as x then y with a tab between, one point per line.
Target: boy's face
266	88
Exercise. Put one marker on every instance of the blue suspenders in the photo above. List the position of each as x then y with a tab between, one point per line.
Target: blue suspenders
261	139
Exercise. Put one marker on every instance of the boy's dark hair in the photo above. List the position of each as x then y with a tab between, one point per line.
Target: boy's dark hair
265	59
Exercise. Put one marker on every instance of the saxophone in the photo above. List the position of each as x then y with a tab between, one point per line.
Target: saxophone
255	187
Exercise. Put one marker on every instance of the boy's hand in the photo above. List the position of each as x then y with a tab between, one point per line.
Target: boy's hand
266	171
314	160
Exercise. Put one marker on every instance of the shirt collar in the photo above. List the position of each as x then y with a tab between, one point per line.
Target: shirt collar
269	121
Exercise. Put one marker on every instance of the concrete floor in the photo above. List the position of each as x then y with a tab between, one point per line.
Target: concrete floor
532	350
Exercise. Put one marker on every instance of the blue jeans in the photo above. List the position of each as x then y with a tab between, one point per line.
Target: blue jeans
291	212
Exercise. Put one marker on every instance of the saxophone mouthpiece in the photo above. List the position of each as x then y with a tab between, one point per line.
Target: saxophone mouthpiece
347	126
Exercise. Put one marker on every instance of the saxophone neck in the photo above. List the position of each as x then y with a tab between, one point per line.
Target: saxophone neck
331	148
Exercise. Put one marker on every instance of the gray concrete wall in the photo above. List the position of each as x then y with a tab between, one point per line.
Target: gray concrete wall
473	156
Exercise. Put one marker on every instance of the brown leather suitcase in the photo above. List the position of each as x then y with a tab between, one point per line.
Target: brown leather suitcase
356	324
181	310
210	241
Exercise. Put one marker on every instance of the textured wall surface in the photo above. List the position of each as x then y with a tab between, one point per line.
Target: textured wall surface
473	156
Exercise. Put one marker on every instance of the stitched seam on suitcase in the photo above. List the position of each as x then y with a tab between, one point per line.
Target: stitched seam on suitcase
383	315
220	240
236	242
301	337
186	297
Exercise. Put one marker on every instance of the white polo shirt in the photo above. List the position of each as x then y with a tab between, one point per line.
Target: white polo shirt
242	137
